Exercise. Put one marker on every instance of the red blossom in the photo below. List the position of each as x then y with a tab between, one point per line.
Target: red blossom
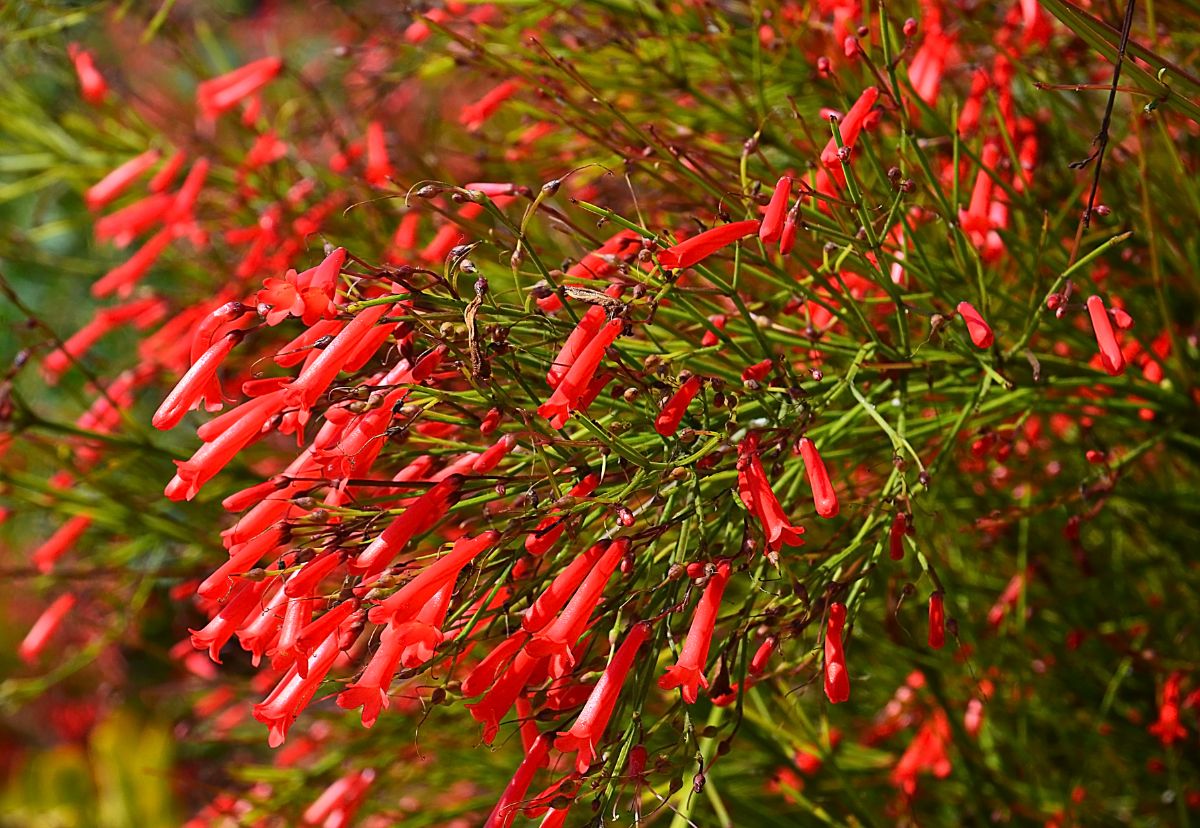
688	672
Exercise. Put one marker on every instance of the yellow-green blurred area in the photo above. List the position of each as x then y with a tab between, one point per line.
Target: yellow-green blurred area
119	776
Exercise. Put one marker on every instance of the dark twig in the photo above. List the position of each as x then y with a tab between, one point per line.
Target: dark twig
1100	142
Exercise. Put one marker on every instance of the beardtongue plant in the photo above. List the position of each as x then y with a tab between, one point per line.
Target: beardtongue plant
696	404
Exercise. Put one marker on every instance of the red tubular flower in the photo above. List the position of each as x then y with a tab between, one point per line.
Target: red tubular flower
588	730
498	700
667	422
370	690
550	528
937	621
379	166
294	691
602	262
313	380
787	236
758	371
211	457
896	536
220	320
824	497
58	544
849	127
589	325
688	672
567	394
191	386
980	332
223	93
409	599
189	192
242	603
122	226
758	662
321	628
487	461
542	611
837	680
162	179
1167	728
44	628
976	218
118	181
242	558
926	752
1008	598
772	224
1110	351
484	674
339	802
709	339
60	359
423	635
91	83
756	493
693	250
122	278
260	632
556	639
536	756
473	116
421	515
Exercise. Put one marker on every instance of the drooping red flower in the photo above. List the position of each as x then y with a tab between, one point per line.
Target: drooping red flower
584	332
574	384
837	679
405	603
338	803
122	278
849	127
92	85
702	245
667	421
758	662
58	544
1168	728
245	424
162	179
896	535
588	731
824	496
926	752
315	378
379	165
756	493
937	621
536	756
603	261
294	691
45	627
1111	355
551	528
120	179
772	223
475	115
223	93
688	672
977	328
556	639
192	386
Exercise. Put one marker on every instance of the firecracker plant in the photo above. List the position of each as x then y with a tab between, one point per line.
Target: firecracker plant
683	413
